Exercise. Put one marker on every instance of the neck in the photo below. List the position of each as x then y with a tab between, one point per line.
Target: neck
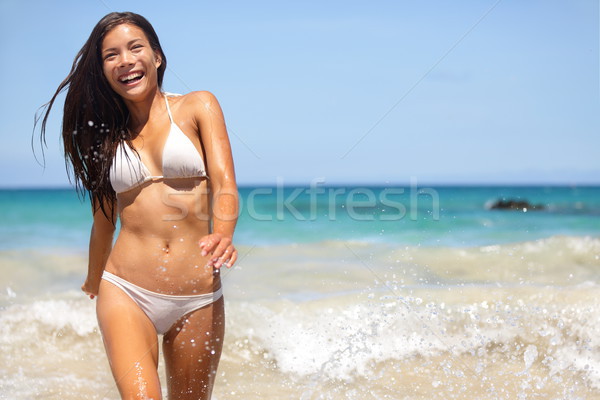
141	110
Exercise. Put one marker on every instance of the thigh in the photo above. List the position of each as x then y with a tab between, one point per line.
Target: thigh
131	343
192	349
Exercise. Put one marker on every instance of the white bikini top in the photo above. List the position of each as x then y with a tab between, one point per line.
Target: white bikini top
180	159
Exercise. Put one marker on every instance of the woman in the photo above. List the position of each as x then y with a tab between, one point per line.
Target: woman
162	164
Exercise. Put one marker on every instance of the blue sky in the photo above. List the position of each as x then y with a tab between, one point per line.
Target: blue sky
467	92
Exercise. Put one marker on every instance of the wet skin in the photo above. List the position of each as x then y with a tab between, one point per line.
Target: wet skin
165	244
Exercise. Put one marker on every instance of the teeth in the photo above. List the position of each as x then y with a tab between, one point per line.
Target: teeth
131	76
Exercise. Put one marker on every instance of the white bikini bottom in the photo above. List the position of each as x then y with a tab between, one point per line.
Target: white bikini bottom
162	309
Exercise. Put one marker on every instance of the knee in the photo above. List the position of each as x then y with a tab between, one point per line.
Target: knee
140	388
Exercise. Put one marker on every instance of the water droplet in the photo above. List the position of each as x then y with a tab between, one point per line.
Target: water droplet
530	355
91	123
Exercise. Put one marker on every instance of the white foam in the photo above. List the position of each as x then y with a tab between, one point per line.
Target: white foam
51	348
345	339
43	316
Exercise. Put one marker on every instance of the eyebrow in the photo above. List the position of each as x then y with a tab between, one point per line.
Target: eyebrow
128	44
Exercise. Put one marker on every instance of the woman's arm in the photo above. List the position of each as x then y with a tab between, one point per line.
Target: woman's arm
101	238
224	195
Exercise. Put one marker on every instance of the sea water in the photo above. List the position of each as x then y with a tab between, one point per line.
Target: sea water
341	292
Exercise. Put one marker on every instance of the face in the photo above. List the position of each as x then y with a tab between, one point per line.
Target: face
129	63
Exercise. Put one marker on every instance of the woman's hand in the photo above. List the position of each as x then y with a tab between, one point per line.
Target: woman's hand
90	288
221	248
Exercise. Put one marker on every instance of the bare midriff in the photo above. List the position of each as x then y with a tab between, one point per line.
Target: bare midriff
157	247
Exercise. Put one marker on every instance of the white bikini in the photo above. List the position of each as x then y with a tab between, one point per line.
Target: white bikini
162	309
180	159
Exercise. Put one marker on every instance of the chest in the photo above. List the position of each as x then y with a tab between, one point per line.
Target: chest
165	142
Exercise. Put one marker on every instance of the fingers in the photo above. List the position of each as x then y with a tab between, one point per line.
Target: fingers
233	259
222	250
227	258
87	292
208	243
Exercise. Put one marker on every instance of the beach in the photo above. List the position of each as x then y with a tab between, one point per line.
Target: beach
343	292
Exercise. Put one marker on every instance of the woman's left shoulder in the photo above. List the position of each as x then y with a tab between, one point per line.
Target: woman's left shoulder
200	98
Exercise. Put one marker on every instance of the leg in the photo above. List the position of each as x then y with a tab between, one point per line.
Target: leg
131	344
192	349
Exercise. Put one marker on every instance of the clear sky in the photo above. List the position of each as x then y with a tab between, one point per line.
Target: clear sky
345	91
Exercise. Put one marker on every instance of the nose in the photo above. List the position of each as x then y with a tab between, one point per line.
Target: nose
127	58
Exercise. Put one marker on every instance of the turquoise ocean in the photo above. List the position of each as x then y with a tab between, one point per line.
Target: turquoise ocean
340	292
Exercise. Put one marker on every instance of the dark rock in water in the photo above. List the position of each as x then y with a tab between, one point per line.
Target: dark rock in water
516	205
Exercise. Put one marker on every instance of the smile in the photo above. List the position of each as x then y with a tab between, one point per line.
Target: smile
131	78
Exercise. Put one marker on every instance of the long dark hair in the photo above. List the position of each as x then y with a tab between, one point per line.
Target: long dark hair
95	117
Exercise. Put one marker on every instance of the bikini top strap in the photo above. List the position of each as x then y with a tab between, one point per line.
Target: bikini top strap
168	108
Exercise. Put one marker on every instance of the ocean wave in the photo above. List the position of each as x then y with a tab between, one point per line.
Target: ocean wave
335	266
51	316
397	343
51	348
543	336
580	244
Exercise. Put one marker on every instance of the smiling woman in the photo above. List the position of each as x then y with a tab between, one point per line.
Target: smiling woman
127	45
133	149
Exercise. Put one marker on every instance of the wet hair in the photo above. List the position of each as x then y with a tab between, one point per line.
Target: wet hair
95	117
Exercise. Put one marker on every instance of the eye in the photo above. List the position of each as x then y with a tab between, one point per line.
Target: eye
109	56
137	47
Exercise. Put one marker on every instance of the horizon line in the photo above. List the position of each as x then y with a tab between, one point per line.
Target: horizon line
357	184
